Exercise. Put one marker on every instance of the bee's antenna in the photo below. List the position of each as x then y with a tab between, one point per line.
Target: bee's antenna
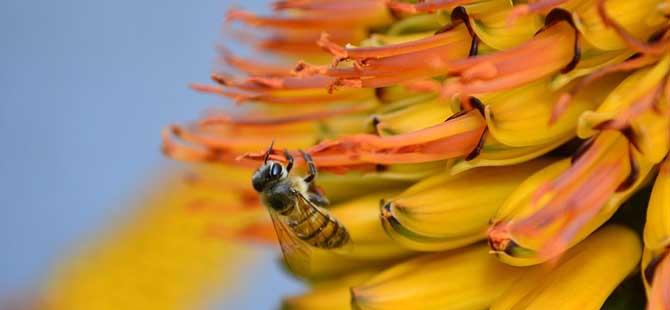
267	153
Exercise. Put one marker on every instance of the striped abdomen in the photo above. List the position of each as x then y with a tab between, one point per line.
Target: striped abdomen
316	227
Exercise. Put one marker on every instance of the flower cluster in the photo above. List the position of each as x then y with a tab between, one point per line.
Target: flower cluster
527	124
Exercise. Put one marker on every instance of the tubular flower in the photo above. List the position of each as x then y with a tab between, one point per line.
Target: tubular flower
656	261
602	261
444	211
437	125
412	284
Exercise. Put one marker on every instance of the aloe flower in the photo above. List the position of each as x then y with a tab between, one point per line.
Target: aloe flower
477	151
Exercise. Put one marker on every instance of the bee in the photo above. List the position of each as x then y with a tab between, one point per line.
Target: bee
296	208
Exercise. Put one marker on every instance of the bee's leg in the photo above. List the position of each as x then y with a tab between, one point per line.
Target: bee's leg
318	200
311	168
289	159
314	194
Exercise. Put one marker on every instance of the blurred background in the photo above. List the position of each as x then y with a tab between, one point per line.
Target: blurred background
86	87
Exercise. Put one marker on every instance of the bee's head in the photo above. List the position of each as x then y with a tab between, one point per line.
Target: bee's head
267	174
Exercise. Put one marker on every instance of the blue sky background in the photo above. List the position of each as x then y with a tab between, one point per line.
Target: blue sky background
85	88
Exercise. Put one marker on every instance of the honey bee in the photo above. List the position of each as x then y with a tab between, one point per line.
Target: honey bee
296	208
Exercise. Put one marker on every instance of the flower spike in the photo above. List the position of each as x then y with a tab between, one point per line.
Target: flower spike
525	123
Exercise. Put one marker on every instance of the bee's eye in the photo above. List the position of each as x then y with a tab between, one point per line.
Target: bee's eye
275	170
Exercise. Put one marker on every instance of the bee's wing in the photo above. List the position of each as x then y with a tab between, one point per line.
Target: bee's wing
316	218
313	215
306	207
296	252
